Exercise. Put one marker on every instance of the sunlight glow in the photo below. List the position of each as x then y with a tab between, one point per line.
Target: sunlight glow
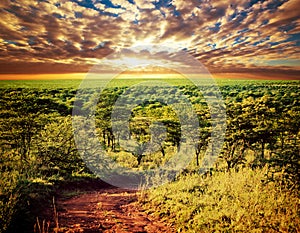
132	62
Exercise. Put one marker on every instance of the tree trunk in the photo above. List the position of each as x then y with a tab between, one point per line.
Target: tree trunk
262	156
139	159
162	151
197	157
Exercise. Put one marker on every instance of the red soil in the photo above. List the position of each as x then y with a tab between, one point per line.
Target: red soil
107	210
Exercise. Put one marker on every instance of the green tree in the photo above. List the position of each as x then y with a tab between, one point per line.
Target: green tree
55	149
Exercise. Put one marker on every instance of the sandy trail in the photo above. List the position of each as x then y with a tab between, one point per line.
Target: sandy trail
107	210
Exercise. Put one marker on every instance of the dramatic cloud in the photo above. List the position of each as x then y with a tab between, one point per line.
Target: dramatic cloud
232	36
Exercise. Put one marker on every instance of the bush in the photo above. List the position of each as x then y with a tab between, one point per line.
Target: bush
226	202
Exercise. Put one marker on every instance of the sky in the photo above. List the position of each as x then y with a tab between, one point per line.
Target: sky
240	38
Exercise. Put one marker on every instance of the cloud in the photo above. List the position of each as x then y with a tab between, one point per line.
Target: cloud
223	35
143	4
41	67
4	3
286	12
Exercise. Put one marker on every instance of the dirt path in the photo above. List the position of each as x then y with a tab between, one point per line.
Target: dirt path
107	210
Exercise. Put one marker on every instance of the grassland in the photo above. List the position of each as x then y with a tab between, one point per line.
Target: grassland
253	186
75	83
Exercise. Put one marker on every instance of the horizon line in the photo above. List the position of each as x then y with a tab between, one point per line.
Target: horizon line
81	76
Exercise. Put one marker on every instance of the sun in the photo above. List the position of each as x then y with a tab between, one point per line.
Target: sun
132	62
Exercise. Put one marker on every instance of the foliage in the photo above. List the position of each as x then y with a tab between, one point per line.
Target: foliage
37	150
36	139
55	149
226	202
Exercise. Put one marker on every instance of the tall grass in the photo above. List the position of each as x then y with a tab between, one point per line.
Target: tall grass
9	198
226	202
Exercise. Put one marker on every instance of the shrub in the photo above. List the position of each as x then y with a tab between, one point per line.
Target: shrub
226	202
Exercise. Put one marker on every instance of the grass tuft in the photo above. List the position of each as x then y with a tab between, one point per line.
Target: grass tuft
226	202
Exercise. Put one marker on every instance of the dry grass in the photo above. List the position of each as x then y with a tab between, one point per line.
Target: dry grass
227	202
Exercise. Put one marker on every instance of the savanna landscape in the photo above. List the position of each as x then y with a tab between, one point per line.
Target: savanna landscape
155	116
253	186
